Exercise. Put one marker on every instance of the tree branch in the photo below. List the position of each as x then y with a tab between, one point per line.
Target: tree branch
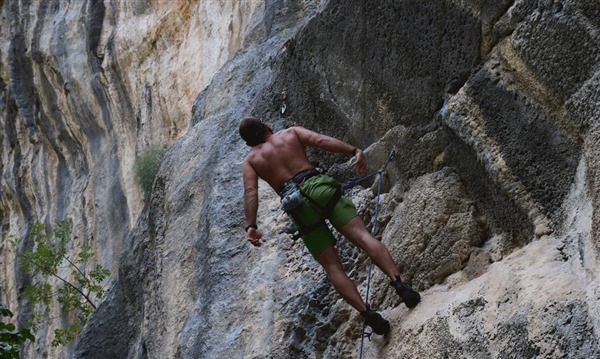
87	298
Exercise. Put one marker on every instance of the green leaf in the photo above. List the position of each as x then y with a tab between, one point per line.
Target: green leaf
38	231
36	319
82	281
14	242
11	340
66	335
99	273
5	312
62	230
38	293
26	333
85	254
10	327
69	299
6	337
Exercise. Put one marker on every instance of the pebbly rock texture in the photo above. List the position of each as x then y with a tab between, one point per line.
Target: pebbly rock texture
444	228
490	206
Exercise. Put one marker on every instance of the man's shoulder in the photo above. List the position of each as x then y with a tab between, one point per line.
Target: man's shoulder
290	131
287	130
295	128
281	134
248	157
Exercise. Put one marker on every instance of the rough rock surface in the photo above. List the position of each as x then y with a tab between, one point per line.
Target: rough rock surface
490	207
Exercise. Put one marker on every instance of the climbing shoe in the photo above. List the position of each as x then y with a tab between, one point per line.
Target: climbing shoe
376	322
409	296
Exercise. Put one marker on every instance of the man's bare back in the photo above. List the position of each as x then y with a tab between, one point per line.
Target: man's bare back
282	156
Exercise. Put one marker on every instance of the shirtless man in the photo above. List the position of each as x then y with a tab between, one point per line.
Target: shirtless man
280	159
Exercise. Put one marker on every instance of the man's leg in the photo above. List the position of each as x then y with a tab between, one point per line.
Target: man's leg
330	261
356	232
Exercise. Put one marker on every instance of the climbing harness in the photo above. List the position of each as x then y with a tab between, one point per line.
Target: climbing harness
292	197
325	214
381	171
292	200
304	229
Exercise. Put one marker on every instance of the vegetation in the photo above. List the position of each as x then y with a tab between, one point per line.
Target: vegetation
11	339
77	289
146	167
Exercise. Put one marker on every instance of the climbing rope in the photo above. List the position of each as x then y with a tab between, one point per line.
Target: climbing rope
350	183
373	232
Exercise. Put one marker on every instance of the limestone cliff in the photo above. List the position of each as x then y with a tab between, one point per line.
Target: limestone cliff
490	208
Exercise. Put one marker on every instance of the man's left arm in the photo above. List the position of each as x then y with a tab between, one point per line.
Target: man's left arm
331	144
251	203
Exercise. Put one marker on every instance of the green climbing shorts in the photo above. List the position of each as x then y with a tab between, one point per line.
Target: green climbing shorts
321	188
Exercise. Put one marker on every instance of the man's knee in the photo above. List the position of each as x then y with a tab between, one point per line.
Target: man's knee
328	258
354	230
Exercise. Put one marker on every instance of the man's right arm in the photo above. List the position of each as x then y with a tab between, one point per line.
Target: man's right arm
251	202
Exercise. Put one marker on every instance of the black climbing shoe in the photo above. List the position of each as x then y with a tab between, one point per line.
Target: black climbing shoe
409	296
374	320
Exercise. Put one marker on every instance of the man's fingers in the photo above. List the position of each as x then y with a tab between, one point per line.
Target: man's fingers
254	233
255	242
359	167
254	237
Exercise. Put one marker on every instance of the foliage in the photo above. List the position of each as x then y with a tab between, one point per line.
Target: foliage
11	339
146	167
49	258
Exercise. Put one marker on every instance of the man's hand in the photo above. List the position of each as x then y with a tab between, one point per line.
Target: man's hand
254	236
359	162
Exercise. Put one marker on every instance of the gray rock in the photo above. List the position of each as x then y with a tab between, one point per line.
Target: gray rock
490	207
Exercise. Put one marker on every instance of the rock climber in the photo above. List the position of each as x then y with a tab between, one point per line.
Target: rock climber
309	198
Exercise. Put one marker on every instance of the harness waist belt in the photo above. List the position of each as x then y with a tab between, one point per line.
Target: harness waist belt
325	212
298	179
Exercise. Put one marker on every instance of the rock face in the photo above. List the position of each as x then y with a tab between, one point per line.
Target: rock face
85	87
490	207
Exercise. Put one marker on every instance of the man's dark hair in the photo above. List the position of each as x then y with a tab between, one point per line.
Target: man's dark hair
253	131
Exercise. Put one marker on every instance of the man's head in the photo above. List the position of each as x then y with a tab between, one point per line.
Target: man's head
253	131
